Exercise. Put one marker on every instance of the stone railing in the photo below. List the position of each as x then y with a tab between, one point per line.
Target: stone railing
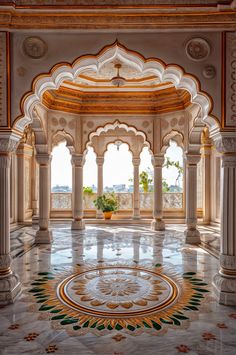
61	200
171	200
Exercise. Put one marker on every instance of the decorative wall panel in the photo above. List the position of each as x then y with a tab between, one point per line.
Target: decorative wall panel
230	79
3	79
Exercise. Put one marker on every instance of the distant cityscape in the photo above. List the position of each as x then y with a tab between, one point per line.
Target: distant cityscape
115	188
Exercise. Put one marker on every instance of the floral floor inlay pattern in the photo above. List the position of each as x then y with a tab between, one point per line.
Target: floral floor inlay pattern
116	290
107	297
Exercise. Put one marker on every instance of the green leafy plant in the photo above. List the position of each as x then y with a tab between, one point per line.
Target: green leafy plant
88	190
145	180
107	202
165	186
175	164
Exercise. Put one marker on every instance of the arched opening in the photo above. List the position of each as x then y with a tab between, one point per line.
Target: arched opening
118	170
173	177
89	180
61	178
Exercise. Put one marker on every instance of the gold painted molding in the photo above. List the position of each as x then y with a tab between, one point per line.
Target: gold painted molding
126	18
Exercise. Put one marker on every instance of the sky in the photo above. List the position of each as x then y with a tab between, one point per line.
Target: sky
117	167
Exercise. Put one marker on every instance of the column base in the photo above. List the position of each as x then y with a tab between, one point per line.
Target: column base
136	217
75	225
225	290
43	237
35	219
192	236
158	225
10	288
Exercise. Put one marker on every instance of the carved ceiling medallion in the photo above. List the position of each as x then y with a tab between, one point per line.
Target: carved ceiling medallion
197	49
34	47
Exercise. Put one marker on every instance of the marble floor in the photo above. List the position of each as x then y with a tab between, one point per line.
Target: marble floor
116	290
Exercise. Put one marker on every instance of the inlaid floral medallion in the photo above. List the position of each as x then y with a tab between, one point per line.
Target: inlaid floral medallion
119	296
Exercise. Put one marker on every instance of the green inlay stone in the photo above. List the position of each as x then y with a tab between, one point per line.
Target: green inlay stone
192	308
189	273
38	283
197	296
200	290
60	316
42	300
156	325
56	311
146	325
101	327
44	273
45	308
41	295
178	316
118	327
158	265
165	321
195	303
69	321
49	278
109	327
199	283
193	279
176	321
76	327
86	324
36	290
130	327
93	325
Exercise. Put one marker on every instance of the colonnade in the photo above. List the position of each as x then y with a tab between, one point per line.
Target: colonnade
224	281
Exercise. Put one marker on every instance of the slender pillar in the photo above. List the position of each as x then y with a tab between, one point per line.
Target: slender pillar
10	286
35	187
225	281
43	235
192	234
206	160
157	224
77	162
100	162
136	195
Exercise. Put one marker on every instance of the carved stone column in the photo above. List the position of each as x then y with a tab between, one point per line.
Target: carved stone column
136	195
77	161
206	160
24	152
35	188
10	286
100	162
192	234
225	281
157	224
43	235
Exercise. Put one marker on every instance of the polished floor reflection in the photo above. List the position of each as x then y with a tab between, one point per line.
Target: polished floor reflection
116	290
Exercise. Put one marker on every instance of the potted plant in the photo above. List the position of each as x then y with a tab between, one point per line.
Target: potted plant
107	203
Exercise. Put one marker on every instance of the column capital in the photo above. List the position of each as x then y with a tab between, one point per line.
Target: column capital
192	159
8	144
225	142
136	161
78	159
158	160
100	160
43	158
229	161
5	160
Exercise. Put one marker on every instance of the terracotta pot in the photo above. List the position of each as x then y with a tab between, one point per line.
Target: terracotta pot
107	215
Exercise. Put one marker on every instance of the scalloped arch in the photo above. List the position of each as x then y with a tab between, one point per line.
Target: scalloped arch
66	71
64	136
175	136
114	125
